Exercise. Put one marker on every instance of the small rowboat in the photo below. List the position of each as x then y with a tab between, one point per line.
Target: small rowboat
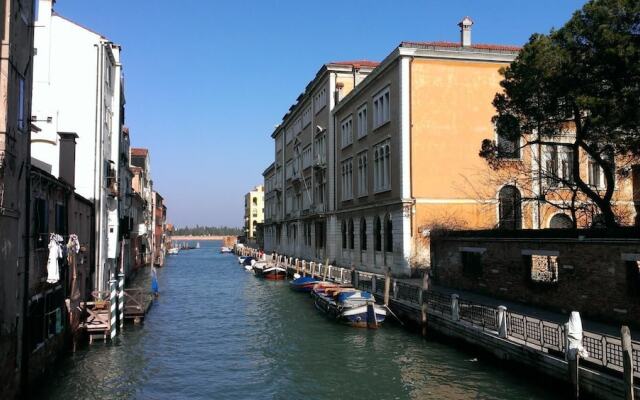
304	283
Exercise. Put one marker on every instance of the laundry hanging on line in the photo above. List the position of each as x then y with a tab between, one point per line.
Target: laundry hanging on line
55	254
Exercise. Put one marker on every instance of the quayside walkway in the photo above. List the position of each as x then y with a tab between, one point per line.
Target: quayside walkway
529	336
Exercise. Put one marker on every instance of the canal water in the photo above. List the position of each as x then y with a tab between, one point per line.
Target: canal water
218	332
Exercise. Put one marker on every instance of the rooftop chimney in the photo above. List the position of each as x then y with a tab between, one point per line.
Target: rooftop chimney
465	31
67	166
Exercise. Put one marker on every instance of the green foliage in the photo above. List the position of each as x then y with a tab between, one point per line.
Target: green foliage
583	78
208	231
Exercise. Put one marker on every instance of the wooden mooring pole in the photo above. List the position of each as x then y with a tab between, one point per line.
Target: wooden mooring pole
387	286
627	361
423	303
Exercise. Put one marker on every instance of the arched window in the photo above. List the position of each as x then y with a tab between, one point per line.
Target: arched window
351	234
509	208
388	234
363	234
344	234
561	221
377	234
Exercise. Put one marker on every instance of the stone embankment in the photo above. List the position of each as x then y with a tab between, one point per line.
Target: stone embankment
535	343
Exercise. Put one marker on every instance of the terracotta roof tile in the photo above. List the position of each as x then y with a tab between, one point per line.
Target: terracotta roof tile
356	63
136	151
456	45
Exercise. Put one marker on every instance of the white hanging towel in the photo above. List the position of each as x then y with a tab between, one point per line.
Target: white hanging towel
55	253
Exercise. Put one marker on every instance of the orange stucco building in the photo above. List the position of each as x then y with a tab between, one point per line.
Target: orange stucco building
404	144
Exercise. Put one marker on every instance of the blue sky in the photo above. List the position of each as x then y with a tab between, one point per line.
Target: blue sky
206	81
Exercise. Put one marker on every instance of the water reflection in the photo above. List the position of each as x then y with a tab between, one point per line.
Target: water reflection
217	332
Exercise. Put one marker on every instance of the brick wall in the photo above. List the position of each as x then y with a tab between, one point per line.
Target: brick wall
571	270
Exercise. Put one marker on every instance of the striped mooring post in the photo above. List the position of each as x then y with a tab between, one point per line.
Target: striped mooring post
121	300
112	302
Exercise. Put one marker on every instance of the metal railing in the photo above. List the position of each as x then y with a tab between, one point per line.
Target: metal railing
479	315
406	292
438	302
606	351
534	331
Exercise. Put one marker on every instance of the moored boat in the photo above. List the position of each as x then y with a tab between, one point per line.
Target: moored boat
173	251
348	305
304	283
270	271
224	249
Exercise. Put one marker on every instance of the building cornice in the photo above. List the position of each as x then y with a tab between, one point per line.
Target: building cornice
429	52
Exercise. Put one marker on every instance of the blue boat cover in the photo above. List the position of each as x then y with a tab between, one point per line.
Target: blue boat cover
342	297
247	261
304	279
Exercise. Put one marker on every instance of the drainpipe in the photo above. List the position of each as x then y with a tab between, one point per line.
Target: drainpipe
25	350
98	200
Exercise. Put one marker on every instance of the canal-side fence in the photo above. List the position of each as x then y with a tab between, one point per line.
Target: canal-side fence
605	352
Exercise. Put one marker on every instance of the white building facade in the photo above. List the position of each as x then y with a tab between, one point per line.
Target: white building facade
77	89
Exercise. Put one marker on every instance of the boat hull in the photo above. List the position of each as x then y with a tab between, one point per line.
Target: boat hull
274	277
270	272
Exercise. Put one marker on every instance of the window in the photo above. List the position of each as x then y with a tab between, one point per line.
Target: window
61	219
381	113
307	233
321	185
363	234
289	134
346	132
388	234
557	165
306	157
633	277
508	147
41	223
306	117
377	234
594	174
510	214
320	149
544	268
319	235
471	263
21	110
289	201
561	221
297	126
344	234
362	121
362	174
351	234
36	321
289	169
347	179
320	100
381	166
